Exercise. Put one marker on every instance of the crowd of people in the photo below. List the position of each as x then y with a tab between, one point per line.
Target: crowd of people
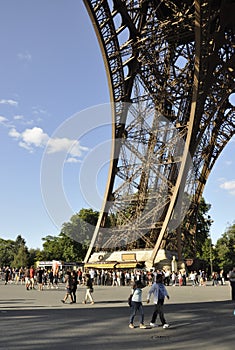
31	276
138	279
42	277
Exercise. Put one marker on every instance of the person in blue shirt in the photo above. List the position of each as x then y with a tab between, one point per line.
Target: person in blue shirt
136	304
159	293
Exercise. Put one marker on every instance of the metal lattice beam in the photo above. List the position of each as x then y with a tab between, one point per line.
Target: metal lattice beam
170	67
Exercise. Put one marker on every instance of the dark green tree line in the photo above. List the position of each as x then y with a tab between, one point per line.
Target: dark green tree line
73	241
225	250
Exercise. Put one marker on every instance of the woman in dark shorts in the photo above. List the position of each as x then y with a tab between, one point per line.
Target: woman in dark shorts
68	281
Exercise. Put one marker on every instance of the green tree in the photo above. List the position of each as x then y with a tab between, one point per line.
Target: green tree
51	249
33	256
80	229
7	251
73	240
21	258
20	241
72	250
77	233
225	249
209	255
21	255
203	227
196	244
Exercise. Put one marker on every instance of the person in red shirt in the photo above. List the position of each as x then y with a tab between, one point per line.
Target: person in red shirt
31	276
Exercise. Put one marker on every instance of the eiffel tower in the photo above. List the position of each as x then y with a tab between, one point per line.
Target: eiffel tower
171	71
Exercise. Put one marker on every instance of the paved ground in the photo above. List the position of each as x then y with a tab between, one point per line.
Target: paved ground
200	317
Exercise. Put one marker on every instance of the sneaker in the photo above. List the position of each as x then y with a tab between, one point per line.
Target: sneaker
153	324
143	326
131	325
166	325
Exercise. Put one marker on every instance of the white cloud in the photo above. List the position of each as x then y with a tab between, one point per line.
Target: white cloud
39	110
30	138
14	133
25	56
64	144
36	137
25	146
9	102
29	122
72	160
18	117
76	149
228	162
229	186
3	119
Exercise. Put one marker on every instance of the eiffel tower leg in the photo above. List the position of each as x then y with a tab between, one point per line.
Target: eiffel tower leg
170	70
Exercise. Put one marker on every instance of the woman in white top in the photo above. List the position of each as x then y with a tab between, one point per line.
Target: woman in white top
136	305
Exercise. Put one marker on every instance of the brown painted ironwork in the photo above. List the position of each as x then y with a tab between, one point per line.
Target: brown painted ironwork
171	71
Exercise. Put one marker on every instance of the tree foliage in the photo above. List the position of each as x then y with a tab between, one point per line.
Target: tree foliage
74	238
21	257
70	245
196	245
7	251
203	227
225	249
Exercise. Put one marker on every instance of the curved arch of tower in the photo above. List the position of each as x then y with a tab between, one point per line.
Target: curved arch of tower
171	70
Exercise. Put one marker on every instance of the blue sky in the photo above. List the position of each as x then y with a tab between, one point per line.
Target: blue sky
52	75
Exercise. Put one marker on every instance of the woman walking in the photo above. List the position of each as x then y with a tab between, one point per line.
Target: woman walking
74	284
89	290
136	305
68	281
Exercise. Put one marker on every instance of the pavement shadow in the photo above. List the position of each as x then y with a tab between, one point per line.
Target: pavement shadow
193	325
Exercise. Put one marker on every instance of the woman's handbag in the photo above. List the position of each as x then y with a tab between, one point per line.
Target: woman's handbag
130	299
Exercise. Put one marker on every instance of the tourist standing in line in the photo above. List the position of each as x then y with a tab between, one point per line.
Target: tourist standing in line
136	304
159	293
31	275
231	277
184	275
7	274
180	278
51	279
173	278
167	277
89	290
27	278
40	273
114	278
192	278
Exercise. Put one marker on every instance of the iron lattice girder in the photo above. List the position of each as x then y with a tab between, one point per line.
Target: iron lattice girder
173	61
